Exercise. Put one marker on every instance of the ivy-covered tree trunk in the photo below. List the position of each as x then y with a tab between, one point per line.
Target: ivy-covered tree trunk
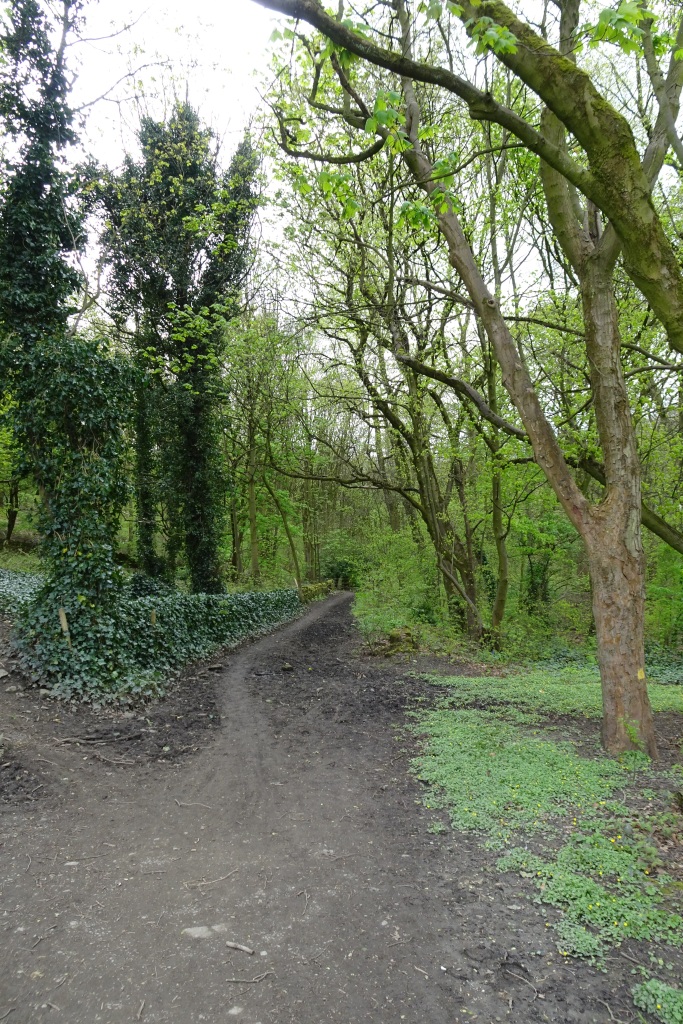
12	509
176	241
201	482
145	497
68	408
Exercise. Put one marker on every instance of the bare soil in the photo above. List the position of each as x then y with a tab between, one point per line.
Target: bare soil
265	802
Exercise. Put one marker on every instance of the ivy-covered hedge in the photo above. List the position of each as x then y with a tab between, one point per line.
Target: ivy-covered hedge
316	591
191	626
17	589
150	635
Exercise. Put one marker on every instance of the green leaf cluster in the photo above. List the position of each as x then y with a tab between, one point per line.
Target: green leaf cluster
619	26
664	1002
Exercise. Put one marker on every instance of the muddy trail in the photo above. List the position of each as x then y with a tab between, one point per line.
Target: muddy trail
265	803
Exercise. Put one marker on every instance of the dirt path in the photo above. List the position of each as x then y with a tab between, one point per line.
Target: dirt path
295	831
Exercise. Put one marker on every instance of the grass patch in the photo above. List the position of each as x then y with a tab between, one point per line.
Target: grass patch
566	691
16	560
494	778
587	832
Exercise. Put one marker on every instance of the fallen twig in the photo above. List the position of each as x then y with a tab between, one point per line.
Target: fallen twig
11	1010
421	971
611	1015
100	739
194	805
41	937
631	958
248	981
238	945
138	1015
109	760
520	978
201	883
304	893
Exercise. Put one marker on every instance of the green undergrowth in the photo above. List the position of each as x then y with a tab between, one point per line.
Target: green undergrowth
664	1002
148	632
561	691
586	831
16	589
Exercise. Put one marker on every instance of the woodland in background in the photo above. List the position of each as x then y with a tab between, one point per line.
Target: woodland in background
220	414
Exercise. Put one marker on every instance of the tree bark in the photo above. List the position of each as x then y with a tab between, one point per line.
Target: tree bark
236	558
500	537
251	498
616	572
290	536
613	537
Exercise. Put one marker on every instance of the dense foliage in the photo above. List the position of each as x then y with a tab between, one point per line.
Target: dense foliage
129	653
176	242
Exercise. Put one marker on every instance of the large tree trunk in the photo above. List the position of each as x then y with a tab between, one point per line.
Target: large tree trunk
617	575
612	536
202	494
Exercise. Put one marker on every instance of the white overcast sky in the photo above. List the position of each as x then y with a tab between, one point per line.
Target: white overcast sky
218	49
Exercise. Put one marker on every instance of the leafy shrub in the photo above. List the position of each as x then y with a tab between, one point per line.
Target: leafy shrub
316	591
661	1000
141	585
16	589
342	560
191	626
128	649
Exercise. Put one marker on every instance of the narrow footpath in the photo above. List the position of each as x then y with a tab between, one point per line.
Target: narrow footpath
295	831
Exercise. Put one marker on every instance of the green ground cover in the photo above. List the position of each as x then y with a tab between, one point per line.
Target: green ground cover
586	830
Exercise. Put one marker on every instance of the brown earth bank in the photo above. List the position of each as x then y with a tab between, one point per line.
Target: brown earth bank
265	802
